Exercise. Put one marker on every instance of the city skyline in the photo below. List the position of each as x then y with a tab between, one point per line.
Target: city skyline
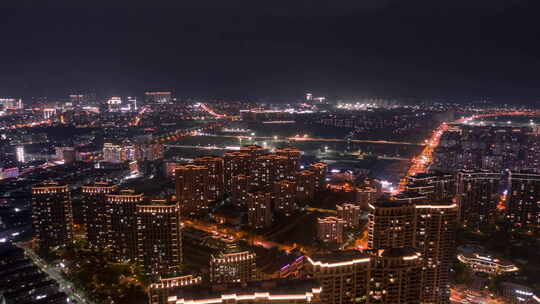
305	152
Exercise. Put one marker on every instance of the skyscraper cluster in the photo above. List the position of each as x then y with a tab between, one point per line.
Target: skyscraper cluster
261	182
121	222
410	239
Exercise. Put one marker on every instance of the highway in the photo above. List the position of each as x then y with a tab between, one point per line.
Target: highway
65	285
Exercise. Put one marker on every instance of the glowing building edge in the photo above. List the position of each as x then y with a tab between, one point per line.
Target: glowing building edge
351	262
256	296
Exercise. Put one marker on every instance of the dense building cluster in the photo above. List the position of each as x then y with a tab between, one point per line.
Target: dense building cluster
410	235
488	148
23	282
121	222
259	181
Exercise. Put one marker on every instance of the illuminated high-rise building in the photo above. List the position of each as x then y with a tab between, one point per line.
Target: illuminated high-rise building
478	196
523	207
276	291
343	275
122	224
268	169
350	213
253	151
330	229
96	212
365	196
159	292
159	238
239	188
382	276
235	163
284	196
259	204
396	276
192	188
158	97
306	181
215	184
436	186
436	225
52	217
410	220
233	265
293	155
391	224
320	169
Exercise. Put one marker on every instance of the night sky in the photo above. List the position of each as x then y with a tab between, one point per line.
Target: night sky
458	50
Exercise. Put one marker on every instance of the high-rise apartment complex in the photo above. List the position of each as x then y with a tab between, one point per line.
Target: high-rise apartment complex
122	224
306	181
381	276
215	175
192	188
320	170
96	212
330	229
233	265
235	163
350	213
523	208
159	238
284	196
436	186
277	291
478	196
268	169
396	276
239	188
293	159
52	216
410	220
259	204
159	292
343	275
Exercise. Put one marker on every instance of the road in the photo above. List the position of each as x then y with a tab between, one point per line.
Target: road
421	162
312	139
65	285
212	112
28	125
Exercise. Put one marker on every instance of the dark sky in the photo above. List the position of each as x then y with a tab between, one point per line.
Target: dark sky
274	49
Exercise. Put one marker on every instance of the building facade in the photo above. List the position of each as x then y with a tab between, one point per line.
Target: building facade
96	212
216	186
330	229
159	238
192	188
523	208
122	224
259	204
52	217
350	213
